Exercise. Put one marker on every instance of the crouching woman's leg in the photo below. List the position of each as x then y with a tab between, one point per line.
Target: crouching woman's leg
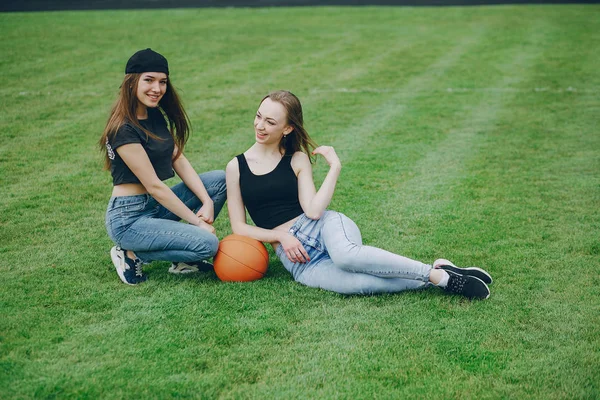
153	239
214	183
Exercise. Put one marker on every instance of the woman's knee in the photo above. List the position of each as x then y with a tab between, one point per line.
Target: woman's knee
213	245
342	238
213	178
220	178
347	256
220	175
205	246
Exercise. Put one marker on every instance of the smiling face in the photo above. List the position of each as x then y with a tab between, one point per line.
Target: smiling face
270	122
151	88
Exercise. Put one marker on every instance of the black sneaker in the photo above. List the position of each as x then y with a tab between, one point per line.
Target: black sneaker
130	271
471	271
468	286
189	267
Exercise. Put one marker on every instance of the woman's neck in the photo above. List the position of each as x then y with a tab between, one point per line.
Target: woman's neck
141	112
270	151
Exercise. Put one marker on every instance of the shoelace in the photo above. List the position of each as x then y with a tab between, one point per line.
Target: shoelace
456	283
138	267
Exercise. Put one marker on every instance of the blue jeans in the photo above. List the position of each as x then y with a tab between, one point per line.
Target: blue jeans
339	262
141	224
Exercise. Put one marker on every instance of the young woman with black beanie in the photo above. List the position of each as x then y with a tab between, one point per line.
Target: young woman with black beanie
143	145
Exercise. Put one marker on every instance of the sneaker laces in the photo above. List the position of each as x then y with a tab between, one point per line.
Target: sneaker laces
138	267
456	283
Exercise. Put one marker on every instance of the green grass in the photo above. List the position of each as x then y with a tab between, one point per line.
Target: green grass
465	133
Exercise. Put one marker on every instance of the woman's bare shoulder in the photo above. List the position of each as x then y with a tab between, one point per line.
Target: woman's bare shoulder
300	161
300	157
233	165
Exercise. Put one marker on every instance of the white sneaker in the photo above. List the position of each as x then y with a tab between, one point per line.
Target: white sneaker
129	271
188	268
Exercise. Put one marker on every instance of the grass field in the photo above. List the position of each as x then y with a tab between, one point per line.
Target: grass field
465	133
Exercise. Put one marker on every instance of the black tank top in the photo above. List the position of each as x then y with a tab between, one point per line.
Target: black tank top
272	198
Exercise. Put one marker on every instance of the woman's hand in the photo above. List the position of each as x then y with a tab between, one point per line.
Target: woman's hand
206	226
293	249
207	212
329	154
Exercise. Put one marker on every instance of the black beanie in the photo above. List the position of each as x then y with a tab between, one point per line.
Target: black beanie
147	61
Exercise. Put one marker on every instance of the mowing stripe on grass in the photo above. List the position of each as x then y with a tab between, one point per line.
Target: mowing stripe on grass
392	106
428	196
73	330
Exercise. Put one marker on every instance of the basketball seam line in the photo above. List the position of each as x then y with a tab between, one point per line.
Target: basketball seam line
251	245
245	265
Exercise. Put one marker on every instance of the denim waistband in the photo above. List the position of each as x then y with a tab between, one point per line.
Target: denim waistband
308	232
293	229
302	219
125	200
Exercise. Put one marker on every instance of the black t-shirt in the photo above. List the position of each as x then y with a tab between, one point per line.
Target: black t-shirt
160	152
272	198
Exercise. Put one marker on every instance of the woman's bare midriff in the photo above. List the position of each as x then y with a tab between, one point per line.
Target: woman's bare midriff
134	189
285	227
128	189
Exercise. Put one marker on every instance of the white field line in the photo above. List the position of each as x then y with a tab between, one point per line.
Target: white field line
445	164
378	90
459	90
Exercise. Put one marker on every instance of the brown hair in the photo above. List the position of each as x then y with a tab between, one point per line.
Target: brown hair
298	139
124	111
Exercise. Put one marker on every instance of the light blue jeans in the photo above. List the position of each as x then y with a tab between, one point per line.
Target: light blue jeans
339	262
142	225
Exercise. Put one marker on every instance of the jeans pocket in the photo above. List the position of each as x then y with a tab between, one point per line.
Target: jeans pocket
122	212
309	241
128	204
135	207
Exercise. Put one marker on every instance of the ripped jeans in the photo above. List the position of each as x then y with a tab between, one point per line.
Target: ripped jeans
339	262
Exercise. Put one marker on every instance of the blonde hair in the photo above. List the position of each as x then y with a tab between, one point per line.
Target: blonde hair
298	139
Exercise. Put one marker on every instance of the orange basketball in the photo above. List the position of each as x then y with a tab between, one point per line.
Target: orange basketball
241	259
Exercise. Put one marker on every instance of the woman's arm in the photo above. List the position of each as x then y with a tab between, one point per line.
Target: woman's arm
190	178
314	203
237	210
137	160
237	217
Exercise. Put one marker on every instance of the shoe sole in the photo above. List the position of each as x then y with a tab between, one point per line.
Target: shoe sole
119	262
471	271
187	270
